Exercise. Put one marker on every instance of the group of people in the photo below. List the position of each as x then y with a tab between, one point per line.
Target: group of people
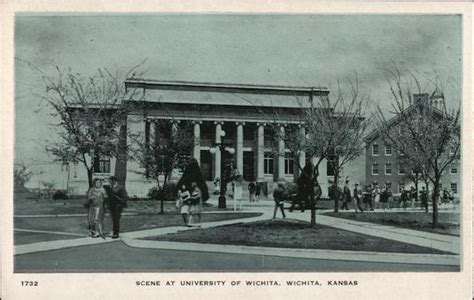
254	191
112	196
189	204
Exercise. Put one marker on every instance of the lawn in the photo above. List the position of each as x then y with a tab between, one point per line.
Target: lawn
127	223
448	221
27	203
291	234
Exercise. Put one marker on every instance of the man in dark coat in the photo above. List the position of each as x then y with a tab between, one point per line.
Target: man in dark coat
279	197
346	196
424	199
335	193
118	198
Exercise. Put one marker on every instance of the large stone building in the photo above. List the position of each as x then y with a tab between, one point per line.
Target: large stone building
243	112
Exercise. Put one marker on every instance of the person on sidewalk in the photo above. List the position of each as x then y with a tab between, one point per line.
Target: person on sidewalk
118	198
184	203
258	189
335	194
368	205
384	195
237	190
424	199
251	188
376	195
346	196
279	197
413	196
404	199
357	198
96	196
196	206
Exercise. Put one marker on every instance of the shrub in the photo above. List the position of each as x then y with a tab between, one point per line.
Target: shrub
167	193
60	195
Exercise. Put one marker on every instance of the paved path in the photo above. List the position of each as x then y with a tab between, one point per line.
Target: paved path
135	239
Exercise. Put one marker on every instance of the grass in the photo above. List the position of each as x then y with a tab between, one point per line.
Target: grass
448	221
292	234
27	203
127	223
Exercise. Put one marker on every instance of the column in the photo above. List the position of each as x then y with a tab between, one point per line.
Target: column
152	133
174	127
197	141
240	148
260	151
281	154
217	156
302	156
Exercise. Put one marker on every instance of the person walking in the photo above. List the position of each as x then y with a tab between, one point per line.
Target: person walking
413	196
258	189
237	195
424	199
335	194
384	197
376	194
357	198
251	188
118	198
196	205
368	198
279	197
96	196
346	196
184	203
404	199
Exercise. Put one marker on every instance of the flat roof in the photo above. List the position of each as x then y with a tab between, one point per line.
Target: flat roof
224	87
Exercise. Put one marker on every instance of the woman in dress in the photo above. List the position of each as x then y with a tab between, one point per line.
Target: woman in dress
196	205
376	195
96	196
184	203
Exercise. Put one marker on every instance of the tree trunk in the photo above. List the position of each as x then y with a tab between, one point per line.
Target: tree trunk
434	200
90	173
336	199
312	204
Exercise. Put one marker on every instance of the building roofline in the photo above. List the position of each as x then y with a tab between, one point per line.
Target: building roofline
224	87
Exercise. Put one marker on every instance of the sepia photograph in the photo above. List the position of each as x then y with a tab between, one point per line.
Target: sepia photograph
242	143
162	144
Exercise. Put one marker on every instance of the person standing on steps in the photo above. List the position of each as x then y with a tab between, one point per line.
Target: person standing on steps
251	188
118	198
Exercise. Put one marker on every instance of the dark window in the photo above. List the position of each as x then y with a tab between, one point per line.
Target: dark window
331	166
289	164
375	169
268	163
101	164
375	149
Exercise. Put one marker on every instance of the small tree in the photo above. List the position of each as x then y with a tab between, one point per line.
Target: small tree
48	187
161	153
21	175
88	111
334	130
429	136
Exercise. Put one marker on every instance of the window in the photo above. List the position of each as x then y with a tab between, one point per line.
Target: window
454	188
401	170
331	166
401	186
375	149
101	164
289	164
454	168
388	169
375	168
388	150
268	163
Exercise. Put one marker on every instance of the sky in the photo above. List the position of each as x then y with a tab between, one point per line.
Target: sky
300	50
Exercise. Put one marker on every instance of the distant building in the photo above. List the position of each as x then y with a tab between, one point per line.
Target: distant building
384	164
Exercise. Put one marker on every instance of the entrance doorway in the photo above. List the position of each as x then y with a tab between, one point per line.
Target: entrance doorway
206	165
249	166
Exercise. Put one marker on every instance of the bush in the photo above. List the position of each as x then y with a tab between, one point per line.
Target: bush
60	195
167	193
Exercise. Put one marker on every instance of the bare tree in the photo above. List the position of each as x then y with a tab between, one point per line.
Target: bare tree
21	175
162	152
427	135
334	127
89	113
